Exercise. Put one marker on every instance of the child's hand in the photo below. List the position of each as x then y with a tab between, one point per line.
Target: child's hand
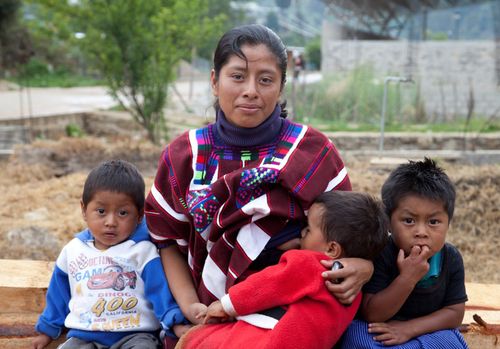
216	313
197	312
414	267
391	332
41	341
180	330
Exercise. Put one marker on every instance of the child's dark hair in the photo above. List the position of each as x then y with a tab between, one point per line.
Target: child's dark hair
422	178
356	221
115	176
253	35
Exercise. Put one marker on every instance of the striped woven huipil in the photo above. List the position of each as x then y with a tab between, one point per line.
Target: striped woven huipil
222	204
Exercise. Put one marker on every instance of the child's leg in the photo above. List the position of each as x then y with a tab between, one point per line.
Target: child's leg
77	343
449	339
357	337
138	340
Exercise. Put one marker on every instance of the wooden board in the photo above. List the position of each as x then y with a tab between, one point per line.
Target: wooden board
24	284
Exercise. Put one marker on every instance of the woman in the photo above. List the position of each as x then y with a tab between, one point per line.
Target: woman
229	198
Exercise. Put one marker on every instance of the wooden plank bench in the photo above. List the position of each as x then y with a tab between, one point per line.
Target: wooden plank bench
24	283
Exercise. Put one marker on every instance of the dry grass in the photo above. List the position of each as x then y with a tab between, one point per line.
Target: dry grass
28	187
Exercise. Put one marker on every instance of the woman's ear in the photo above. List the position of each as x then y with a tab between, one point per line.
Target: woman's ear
215	89
282	89
334	250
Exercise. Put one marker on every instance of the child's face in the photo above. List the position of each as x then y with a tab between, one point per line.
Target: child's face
419	221
248	94
312	236
111	218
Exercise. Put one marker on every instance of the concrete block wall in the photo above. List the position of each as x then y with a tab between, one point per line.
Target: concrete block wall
446	70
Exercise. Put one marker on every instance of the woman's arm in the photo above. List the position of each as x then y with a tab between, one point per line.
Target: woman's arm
180	282
398	332
356	272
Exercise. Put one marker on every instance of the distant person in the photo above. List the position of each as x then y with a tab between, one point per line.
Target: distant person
230	198
416	297
298	66
287	306
108	286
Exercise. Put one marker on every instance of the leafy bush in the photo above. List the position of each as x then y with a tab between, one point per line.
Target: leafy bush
74	130
36	67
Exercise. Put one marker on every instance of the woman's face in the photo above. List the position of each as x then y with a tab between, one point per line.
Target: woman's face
249	93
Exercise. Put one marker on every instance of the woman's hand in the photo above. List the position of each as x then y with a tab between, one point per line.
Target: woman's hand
356	272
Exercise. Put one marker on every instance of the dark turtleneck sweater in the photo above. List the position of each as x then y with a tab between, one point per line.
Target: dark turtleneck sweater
268	132
226	134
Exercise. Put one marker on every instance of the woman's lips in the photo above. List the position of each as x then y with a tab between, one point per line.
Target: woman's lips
249	107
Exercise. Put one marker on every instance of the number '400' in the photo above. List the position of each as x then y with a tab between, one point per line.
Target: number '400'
101	305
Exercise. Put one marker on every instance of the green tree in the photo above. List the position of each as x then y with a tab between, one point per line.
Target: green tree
136	45
14	40
313	52
272	21
231	18
283	3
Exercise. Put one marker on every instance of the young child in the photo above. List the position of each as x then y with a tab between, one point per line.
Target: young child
416	297
288	305
108	286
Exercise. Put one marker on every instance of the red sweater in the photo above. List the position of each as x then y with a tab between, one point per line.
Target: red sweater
312	317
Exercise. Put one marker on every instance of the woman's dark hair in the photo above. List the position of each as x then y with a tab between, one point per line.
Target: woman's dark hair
422	178
355	220
116	176
252	35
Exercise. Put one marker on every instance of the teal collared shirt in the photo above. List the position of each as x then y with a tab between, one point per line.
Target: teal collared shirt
433	273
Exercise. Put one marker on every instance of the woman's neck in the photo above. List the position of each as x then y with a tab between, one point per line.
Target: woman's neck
242	137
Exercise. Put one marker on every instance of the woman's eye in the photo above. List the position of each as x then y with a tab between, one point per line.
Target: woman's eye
237	77
266	80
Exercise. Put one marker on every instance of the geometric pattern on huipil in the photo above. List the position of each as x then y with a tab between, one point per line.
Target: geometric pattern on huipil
202	205
253	184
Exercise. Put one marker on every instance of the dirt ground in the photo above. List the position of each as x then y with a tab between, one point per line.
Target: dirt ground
36	193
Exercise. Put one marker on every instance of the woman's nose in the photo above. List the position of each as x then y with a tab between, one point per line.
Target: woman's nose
250	89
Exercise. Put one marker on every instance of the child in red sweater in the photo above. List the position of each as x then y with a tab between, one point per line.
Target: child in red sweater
288	305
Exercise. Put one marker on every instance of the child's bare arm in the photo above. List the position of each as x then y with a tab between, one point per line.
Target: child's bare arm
180	280
398	332
41	341
385	304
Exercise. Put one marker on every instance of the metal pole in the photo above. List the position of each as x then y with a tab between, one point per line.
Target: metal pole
382	121
384	107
